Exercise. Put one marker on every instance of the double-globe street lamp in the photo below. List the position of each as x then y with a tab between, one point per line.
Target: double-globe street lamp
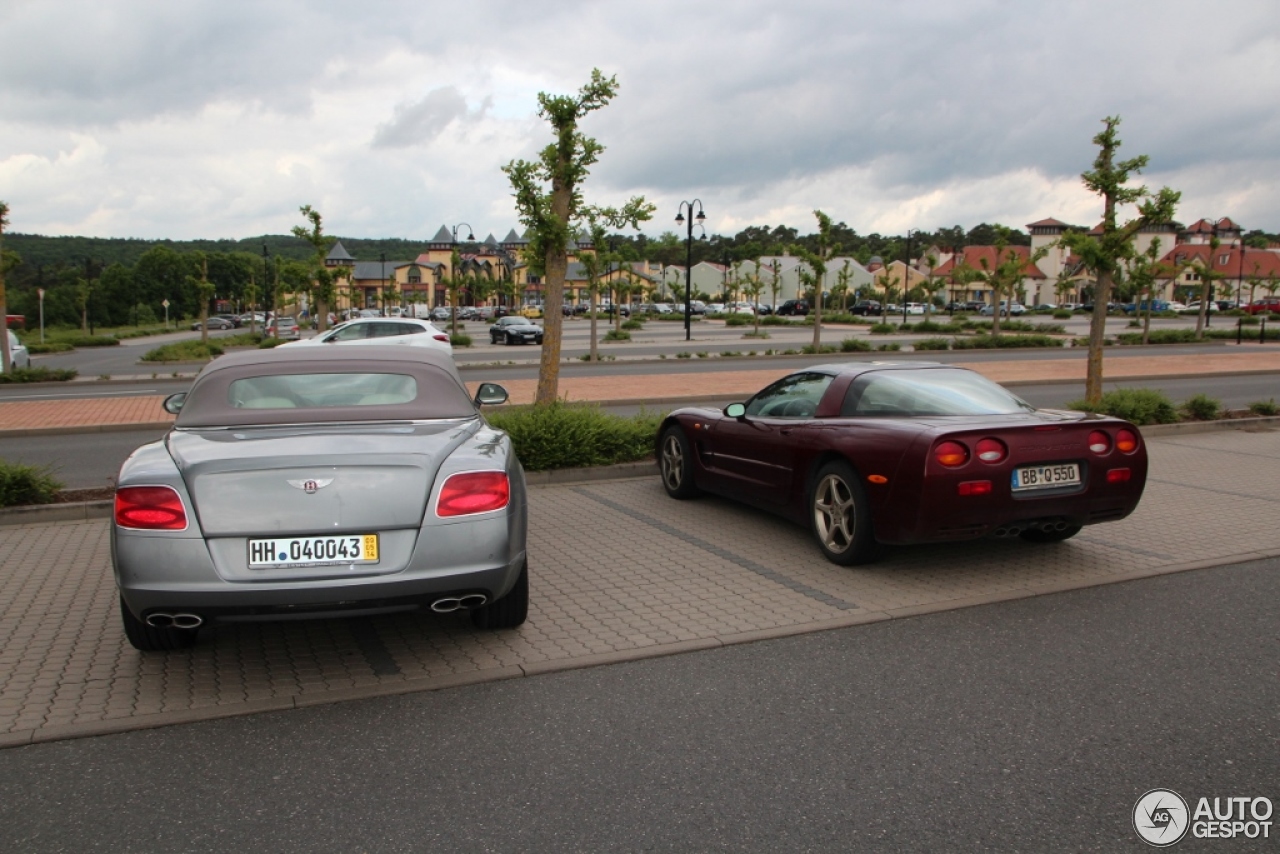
906	276
700	217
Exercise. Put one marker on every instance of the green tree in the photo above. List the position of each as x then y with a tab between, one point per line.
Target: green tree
932	283
322	288
1143	269
817	261
553	214
1208	281
1103	254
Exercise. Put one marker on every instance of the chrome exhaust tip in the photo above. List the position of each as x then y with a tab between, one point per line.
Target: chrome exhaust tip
449	604
161	620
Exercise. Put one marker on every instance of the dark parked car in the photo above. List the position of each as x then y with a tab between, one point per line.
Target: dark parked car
320	482
794	307
867	308
215	322
515	330
866	454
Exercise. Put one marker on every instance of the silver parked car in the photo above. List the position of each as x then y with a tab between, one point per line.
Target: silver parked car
19	356
317	481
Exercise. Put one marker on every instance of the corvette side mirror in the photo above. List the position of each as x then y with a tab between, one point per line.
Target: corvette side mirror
735	410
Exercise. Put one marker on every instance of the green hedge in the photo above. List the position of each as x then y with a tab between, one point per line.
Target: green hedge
1160	336
933	344
564	435
23	484
854	345
183	351
1139	405
991	342
50	347
40	374
92	341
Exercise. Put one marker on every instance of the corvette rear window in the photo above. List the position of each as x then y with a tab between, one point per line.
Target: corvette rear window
320	391
929	392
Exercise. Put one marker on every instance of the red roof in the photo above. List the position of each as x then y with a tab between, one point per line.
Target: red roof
1239	263
1048	223
974	256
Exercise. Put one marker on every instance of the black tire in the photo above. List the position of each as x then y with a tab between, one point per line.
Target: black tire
675	464
510	339
1035	535
509	611
148	639
840	516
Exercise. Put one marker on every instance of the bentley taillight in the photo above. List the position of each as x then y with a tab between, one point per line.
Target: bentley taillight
951	454
474	492
150	508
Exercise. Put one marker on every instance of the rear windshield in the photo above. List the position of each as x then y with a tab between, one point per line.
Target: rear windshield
321	391
929	391
299	393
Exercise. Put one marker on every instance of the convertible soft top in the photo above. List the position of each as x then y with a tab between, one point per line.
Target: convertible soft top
342	384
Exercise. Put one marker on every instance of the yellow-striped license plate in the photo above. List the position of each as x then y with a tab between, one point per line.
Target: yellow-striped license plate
284	552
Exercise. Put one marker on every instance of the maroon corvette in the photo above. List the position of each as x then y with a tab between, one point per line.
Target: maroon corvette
866	454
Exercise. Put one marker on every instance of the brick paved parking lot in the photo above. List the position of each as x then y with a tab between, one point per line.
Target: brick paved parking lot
618	571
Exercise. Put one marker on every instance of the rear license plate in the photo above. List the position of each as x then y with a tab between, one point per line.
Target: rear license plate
1045	477
313	551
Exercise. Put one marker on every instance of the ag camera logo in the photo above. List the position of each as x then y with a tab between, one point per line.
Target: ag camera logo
1160	818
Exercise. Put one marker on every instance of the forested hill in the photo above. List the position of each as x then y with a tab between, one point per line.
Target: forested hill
40	251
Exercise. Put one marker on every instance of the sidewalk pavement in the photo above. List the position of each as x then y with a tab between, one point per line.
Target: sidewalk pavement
88	414
618	572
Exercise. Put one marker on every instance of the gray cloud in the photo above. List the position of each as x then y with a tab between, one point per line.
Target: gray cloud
422	121
744	103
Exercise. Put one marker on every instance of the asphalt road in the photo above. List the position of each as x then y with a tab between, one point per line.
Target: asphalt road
93	459
1032	725
657	339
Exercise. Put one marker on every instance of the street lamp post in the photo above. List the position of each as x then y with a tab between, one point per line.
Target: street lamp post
906	276
701	218
382	284
471	237
267	282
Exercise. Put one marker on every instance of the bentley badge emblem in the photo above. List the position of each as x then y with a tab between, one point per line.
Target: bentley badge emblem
310	486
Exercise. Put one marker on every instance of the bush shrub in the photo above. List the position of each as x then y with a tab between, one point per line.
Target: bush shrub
1264	407
23	484
183	351
990	342
1061	314
927	326
739	320
774	320
1160	336
633	324
617	335
854	345
891	347
50	347
564	435
883	328
39	374
459	339
1201	407
1248	333
268	343
1139	405
810	350
93	341
933	344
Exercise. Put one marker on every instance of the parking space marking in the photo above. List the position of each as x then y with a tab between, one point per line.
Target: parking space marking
724	554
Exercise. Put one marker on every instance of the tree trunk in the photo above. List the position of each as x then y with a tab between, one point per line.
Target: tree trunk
817	314
1097	335
595	345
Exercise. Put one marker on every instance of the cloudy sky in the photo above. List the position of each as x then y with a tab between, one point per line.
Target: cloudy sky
218	118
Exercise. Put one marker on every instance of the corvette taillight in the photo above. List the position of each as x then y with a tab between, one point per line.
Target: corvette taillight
951	454
474	492
1126	441
150	508
1099	442
991	450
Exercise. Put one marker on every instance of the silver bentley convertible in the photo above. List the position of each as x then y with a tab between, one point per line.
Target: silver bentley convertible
321	482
